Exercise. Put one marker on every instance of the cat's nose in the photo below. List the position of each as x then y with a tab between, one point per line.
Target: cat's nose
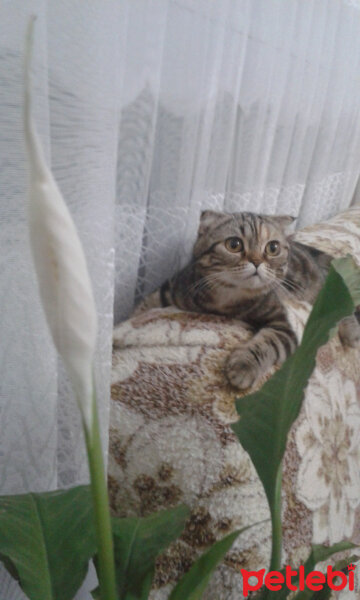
255	261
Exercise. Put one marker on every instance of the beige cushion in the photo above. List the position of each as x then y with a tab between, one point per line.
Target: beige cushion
170	439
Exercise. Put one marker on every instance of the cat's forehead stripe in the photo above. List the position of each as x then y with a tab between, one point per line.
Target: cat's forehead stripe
251	226
225	221
265	230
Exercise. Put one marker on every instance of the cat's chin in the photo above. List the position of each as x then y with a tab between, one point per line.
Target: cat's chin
255	283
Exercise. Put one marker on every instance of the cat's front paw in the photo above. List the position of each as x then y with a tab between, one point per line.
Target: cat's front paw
241	369
349	332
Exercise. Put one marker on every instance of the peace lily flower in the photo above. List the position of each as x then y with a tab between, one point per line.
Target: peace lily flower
69	306
60	264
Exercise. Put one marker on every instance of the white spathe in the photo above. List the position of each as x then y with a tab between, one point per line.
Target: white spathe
64	282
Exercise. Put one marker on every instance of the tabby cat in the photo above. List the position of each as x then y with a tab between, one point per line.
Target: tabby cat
243	266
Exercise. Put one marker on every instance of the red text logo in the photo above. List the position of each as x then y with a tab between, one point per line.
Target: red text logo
297	580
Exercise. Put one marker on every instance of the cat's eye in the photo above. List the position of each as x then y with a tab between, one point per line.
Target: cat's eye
272	248
234	244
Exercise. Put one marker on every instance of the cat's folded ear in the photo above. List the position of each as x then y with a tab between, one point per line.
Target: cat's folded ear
285	222
207	219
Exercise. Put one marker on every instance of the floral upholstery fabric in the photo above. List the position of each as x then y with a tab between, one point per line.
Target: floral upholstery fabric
171	441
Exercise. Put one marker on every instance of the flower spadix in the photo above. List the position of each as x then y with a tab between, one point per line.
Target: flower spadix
60	264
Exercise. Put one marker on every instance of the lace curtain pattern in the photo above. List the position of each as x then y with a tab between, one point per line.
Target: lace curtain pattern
149	112
235	105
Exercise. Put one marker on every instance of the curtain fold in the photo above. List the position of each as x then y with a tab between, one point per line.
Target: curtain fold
252	105
149	112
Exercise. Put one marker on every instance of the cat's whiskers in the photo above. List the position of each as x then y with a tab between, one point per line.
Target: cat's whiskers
272	278
237	269
290	284
284	284
276	283
209	282
206	282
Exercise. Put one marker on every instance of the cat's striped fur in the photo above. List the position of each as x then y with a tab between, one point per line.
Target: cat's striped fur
243	266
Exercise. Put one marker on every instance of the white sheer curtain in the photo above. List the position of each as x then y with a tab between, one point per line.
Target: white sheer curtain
236	104
150	111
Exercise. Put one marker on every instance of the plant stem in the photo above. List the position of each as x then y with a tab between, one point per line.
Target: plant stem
106	565
276	549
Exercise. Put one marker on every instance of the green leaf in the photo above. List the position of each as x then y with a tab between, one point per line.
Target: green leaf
325	593
137	543
96	593
192	585
194	582
320	553
47	540
10	567
267	415
349	271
